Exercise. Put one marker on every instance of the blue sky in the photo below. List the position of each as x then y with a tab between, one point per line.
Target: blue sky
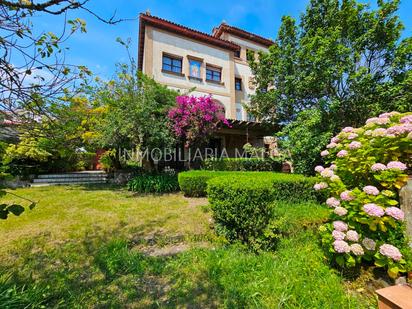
98	49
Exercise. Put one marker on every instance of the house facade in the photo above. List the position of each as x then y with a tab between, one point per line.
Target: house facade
208	64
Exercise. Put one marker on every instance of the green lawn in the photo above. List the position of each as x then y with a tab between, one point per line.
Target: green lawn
105	247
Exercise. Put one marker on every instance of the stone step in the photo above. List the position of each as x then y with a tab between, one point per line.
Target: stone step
70	180
85	177
45	184
93	174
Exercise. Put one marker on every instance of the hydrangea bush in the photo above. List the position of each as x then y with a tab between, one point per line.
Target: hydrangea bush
368	166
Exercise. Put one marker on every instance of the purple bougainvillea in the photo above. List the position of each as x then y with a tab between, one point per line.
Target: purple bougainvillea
195	118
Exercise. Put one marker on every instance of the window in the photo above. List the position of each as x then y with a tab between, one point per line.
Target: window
238	84
194	68
172	64
213	74
237	53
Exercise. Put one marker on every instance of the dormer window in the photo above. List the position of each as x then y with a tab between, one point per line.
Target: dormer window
237	53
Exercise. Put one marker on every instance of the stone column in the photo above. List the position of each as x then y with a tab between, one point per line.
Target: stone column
406	205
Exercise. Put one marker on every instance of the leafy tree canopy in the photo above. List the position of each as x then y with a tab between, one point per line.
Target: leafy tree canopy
134	111
343	60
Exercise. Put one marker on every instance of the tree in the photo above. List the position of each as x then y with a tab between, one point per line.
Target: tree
33	70
304	139
55	146
134	111
34	76
194	119
343	60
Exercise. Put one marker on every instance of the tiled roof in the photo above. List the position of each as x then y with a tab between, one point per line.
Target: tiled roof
217	32
147	19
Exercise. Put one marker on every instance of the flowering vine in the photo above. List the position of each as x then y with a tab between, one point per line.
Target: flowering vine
368	167
194	119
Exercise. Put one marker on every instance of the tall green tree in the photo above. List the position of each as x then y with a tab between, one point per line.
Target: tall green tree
134	111
342	60
33	67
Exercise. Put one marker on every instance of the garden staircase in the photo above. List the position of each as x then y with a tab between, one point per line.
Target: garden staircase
86	177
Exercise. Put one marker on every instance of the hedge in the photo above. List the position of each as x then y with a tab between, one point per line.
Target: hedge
194	183
243	164
161	183
243	206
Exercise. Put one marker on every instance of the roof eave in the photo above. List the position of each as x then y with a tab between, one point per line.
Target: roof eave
159	23
243	34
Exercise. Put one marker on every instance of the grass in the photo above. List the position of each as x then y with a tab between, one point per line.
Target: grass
87	247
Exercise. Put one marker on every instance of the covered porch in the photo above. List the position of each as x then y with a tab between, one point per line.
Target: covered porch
232	139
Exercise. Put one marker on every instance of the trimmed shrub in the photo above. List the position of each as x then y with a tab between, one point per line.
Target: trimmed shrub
194	183
243	164
244	205
162	183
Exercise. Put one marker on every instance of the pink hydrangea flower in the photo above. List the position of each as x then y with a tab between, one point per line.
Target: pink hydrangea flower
352	136
340	226
378	167
396	165
324	153
320	186
347	129
369	244
342	153
371	190
320	168
331	145
334	178
400	129
376	120
368	132
373	210
341	246
391	252
347	195
379	132
395	213
333	167
327	173
338	235
340	211
352	235
406	119
388	115
332	202
335	139
371	120
357	249
355	145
